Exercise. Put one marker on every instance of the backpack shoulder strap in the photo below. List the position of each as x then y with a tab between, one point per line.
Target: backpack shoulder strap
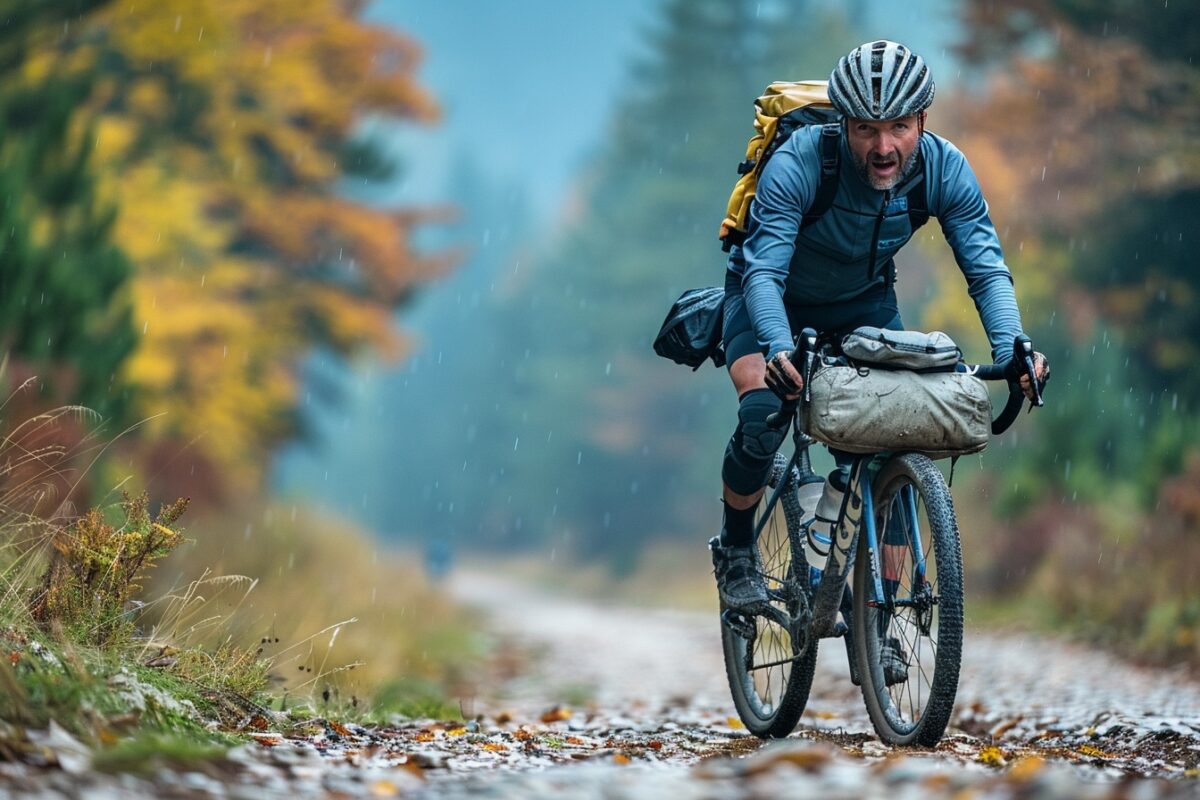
830	148
918	205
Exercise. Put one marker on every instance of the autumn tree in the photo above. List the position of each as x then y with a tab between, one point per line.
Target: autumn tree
225	133
1079	120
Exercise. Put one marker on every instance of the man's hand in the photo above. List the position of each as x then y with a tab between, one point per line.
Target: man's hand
1042	367
782	378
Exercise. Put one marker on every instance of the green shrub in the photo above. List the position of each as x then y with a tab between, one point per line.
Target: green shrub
95	567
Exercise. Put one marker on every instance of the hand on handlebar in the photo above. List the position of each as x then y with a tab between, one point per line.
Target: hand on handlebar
783	378
1041	366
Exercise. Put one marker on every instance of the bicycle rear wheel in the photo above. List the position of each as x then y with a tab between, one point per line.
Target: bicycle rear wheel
770	674
909	642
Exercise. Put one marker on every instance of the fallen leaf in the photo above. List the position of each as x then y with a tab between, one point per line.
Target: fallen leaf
557	714
992	756
1026	768
504	717
339	729
620	758
1094	752
807	757
734	723
574	740
823	714
936	782
424	736
654	744
384	788
257	722
1005	727
456	732
495	747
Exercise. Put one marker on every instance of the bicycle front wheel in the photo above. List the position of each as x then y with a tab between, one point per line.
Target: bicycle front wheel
908	642
770	673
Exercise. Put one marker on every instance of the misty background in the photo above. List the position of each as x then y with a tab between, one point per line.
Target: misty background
431	448
365	280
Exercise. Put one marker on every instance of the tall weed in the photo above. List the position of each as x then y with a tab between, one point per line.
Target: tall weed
95	568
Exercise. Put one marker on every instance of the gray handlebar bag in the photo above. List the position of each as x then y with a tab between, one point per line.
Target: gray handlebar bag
890	407
901	349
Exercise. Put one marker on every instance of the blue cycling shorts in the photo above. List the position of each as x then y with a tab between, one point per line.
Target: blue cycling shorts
876	306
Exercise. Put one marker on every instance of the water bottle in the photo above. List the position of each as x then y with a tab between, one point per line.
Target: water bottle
820	530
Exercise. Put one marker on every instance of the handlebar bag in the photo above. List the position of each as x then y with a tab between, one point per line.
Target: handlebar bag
901	349
862	409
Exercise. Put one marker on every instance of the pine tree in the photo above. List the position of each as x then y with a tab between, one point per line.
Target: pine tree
637	440
65	312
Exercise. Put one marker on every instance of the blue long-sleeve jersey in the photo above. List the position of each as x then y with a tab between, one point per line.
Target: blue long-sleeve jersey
828	261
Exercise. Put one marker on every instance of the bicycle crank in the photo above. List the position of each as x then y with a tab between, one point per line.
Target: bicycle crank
739	623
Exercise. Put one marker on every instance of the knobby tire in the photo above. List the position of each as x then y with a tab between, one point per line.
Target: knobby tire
770	702
916	710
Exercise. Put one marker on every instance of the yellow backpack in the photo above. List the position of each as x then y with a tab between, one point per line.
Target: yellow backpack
784	107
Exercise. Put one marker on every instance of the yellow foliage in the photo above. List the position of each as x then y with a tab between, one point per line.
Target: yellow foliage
219	137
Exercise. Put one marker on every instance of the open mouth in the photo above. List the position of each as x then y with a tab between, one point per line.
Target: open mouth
884	167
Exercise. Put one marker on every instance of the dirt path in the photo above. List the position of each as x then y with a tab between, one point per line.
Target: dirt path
601	701
1032	713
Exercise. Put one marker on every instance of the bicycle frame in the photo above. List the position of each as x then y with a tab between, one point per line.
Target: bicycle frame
856	520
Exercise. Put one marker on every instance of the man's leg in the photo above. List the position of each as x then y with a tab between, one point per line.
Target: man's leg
750	452
748	459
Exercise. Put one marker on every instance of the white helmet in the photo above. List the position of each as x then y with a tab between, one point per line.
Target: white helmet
880	81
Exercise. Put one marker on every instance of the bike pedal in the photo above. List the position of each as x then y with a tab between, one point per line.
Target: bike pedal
738	624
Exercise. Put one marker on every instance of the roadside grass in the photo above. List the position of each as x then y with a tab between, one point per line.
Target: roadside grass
342	623
152	646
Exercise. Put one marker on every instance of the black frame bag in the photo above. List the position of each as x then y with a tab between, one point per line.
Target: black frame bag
691	333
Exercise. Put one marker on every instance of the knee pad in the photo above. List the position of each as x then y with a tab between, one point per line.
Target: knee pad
751	450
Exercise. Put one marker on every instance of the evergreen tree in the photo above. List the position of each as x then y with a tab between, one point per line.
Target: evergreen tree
64	310
624	443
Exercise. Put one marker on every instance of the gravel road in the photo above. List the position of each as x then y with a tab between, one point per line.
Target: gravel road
1034	717
592	700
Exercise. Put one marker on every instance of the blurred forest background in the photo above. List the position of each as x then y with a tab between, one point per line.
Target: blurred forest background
223	237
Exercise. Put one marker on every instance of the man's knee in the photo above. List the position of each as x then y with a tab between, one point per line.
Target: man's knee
751	450
748	373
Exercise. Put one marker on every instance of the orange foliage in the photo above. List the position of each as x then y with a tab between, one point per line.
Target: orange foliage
221	134
1056	139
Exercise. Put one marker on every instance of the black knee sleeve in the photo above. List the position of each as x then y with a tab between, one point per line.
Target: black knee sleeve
752	448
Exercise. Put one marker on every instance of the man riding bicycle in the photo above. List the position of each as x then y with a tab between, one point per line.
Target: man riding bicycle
837	273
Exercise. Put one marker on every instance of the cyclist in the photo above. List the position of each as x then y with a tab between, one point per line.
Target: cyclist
837	273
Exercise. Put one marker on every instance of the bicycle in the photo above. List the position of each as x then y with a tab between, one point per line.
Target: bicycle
902	619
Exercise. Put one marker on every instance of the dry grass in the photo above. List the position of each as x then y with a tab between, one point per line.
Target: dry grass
334	614
306	599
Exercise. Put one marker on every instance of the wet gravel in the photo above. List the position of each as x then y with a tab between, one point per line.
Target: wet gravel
588	700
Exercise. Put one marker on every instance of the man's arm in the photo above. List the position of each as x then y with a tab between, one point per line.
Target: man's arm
784	192
964	218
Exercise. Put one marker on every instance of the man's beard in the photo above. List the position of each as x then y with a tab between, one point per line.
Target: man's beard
906	170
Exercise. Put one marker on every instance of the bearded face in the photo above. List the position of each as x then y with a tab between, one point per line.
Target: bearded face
885	152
